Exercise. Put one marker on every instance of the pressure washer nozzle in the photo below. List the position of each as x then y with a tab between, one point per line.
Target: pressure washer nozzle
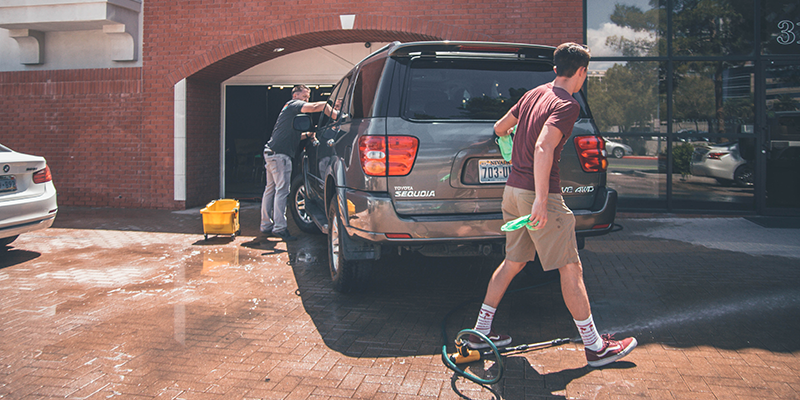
472	355
464	354
461	347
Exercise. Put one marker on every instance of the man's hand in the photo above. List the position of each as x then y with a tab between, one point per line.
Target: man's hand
504	126
539	212
542	164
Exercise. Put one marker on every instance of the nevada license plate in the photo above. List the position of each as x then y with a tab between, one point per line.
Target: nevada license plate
493	171
8	184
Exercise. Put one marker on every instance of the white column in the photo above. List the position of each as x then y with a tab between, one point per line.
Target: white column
180	141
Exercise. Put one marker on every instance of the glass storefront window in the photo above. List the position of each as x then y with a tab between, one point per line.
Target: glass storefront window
783	134
624	96
640	175
713	151
627	108
713	27
712	100
629	28
715	176
780	28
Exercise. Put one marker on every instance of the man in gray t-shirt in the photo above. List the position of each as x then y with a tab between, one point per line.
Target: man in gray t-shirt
278	154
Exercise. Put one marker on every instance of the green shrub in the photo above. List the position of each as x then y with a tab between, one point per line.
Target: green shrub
681	157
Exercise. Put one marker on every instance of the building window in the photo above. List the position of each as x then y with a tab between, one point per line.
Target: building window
713	27
780	28
628	106
629	28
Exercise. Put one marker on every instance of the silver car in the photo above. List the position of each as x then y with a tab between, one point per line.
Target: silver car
27	195
618	150
722	162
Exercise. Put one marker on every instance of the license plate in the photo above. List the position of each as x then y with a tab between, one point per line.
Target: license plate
493	171
8	184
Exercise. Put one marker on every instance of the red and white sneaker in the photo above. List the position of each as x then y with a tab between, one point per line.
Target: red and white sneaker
612	350
476	343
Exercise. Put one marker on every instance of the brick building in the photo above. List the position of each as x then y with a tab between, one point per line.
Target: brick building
138	104
127	108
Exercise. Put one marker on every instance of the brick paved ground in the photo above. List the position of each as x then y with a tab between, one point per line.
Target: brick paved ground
134	304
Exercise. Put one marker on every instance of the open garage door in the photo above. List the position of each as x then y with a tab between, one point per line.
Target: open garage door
253	99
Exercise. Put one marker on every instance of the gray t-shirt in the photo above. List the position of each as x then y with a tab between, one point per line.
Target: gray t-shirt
285	139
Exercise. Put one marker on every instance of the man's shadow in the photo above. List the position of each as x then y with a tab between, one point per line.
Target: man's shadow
264	242
521	381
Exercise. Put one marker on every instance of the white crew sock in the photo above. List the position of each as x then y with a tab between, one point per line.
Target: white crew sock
485	317
591	339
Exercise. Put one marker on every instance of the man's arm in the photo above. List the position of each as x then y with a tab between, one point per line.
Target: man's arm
316	106
504	125
543	155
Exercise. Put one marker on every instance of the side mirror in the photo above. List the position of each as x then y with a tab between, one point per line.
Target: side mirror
302	123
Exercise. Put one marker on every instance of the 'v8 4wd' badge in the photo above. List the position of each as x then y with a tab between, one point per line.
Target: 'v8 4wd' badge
579	189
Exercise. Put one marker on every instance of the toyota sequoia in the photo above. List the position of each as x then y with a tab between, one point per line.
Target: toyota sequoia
410	161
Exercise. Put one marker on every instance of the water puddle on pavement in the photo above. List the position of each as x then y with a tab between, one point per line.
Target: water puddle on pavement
219	257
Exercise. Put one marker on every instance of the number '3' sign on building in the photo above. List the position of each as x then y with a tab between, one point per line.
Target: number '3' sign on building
787	33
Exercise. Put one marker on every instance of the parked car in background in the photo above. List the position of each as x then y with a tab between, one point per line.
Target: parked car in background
723	162
410	162
618	150
27	195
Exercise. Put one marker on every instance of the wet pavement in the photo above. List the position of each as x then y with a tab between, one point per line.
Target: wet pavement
135	304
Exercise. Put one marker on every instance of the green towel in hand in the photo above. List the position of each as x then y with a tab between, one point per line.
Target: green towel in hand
506	144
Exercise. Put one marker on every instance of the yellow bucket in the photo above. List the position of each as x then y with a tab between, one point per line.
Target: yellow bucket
221	217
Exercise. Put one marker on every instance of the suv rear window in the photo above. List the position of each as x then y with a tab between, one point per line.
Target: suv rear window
463	89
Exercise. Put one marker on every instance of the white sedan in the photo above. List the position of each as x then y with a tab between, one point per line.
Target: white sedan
27	195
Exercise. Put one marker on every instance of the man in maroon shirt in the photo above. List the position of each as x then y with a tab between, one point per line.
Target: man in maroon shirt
544	118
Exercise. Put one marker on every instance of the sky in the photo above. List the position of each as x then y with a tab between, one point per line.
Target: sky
599	27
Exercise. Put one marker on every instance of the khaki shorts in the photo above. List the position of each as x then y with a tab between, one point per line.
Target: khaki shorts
555	243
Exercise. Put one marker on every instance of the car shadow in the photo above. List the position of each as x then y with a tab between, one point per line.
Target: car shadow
664	292
411	304
9	256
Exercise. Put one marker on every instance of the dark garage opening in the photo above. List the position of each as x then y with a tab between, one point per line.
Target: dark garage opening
250	115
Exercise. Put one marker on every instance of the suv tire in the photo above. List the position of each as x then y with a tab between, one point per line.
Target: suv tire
297	195
347	275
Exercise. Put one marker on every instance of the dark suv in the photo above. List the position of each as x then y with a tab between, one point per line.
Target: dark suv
411	163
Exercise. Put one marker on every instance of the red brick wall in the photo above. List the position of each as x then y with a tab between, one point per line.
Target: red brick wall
88	124
108	134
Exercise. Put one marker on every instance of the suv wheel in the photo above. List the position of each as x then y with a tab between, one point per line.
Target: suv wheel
298	198
347	275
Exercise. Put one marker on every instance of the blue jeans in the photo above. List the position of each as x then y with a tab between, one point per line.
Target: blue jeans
273	203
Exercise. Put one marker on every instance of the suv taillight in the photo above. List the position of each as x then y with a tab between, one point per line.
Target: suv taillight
591	153
42	176
399	158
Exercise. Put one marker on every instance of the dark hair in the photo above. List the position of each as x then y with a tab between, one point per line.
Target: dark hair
568	57
300	88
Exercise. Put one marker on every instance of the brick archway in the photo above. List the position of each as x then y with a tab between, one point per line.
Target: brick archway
197	119
235	56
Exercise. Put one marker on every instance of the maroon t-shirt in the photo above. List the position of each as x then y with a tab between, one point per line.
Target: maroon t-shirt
544	105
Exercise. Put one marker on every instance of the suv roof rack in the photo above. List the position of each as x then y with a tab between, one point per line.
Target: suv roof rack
482	48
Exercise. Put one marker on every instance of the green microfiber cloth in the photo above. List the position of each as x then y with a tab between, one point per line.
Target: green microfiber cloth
506	144
518	224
